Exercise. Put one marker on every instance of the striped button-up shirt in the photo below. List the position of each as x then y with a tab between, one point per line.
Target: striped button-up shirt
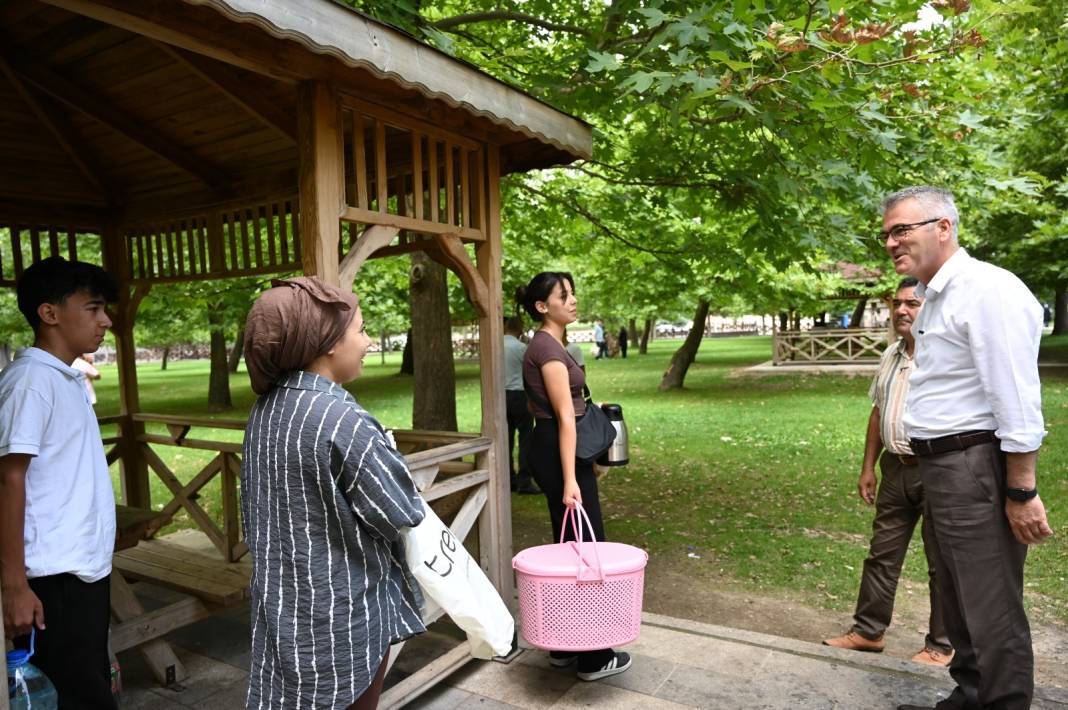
324	495
889	391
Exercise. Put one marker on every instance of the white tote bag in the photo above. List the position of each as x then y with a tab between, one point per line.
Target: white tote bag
451	579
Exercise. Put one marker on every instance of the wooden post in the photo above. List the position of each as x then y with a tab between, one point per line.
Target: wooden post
495	523
135	488
322	178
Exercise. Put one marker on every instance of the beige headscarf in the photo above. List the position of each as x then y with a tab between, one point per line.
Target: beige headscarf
291	324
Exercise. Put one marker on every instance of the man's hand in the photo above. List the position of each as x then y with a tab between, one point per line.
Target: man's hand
866	486
22	609
1028	520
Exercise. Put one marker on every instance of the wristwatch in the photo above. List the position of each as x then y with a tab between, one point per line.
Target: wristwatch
1021	495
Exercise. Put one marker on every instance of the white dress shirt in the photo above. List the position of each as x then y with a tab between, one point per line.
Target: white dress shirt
70	505
977	339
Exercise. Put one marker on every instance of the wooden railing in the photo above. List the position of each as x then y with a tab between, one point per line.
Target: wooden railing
828	347
444	465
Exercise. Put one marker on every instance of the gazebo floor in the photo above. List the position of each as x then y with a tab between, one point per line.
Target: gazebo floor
677	663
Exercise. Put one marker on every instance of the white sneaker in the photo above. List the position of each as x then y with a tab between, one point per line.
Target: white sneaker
619	663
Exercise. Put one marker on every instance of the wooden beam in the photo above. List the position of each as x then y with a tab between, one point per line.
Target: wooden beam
158	622
452	254
322	179
57	124
354	214
236	87
61	88
373	238
495	525
157	652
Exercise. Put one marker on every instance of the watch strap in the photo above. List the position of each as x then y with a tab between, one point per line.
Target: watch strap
1021	495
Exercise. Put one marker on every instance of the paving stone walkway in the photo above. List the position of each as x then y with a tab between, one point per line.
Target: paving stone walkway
677	664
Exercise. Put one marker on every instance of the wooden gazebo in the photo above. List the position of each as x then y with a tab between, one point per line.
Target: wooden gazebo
210	139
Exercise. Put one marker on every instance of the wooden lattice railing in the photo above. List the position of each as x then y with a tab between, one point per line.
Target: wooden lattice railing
24	245
444	465
828	347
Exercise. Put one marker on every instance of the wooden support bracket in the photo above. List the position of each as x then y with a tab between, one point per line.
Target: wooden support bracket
371	240
452	255
178	432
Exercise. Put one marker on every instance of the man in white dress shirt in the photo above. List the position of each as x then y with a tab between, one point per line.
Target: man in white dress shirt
974	418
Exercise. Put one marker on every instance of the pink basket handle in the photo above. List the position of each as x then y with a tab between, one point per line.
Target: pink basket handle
576	527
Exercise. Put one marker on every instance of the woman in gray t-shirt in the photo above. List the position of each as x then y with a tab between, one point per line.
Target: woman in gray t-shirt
554	383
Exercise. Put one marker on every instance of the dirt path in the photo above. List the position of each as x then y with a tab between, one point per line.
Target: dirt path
686	594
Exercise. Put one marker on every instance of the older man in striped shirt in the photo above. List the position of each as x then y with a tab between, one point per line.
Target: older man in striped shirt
899	503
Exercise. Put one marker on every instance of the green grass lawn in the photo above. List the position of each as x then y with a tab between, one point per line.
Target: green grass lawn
756	476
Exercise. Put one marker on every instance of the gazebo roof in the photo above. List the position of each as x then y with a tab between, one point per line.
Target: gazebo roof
116	109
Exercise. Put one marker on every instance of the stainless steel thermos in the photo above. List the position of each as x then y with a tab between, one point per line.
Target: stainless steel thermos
618	453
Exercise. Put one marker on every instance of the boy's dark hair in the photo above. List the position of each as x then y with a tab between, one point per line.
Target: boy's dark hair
53	279
908	282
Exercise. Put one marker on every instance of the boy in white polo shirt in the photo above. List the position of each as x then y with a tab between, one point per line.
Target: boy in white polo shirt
57	508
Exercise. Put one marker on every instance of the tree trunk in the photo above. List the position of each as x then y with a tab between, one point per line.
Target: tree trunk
684	356
383	341
643	345
796	317
5	355
166	357
238	350
784	320
857	318
434	405
632	333
219	378
407	360
1060	311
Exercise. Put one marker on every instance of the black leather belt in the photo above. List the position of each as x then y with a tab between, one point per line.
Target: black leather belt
953	442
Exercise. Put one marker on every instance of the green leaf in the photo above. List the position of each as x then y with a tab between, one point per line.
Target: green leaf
741	103
602	61
971	120
653	17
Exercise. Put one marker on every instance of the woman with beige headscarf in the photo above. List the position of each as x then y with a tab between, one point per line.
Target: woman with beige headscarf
324	496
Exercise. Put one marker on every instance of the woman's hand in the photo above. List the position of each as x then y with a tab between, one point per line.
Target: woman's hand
572	494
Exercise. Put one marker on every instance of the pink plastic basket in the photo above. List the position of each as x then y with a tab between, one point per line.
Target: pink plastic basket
577	596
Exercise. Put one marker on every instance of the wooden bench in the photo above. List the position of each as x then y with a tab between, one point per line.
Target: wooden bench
208	581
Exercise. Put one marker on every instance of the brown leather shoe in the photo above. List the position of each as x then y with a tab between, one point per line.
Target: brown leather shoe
933	657
855	642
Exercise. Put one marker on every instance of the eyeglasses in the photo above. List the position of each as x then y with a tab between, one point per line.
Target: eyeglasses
900	231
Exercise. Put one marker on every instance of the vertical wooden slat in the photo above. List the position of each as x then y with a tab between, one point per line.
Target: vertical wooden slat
359	159
283	233
190	230
217	242
72	245
53	242
202	239
354	234
245	238
480	193
231	522
417	174
178	226
294	229
465	187
161	265
35	245
400	187
450	185
131	242
16	250
231	239
141	255
272	251
381	178
167	236
432	167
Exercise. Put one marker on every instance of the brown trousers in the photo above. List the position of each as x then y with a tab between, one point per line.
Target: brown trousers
980	567
898	507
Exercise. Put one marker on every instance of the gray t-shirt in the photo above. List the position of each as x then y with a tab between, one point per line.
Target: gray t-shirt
513	363
545	348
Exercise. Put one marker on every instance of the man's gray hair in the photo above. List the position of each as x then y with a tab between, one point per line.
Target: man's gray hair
937	199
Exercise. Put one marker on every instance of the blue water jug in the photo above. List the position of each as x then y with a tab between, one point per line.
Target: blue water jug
27	687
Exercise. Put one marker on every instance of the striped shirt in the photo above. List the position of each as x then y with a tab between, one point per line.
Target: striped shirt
324	495
888	392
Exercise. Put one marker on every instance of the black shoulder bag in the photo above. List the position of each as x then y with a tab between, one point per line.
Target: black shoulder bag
595	431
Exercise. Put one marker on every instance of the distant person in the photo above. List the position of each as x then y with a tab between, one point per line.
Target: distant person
1047	315
598	339
84	365
623	342
520	420
324	496
555	386
575	351
57	506
974	419
899	504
